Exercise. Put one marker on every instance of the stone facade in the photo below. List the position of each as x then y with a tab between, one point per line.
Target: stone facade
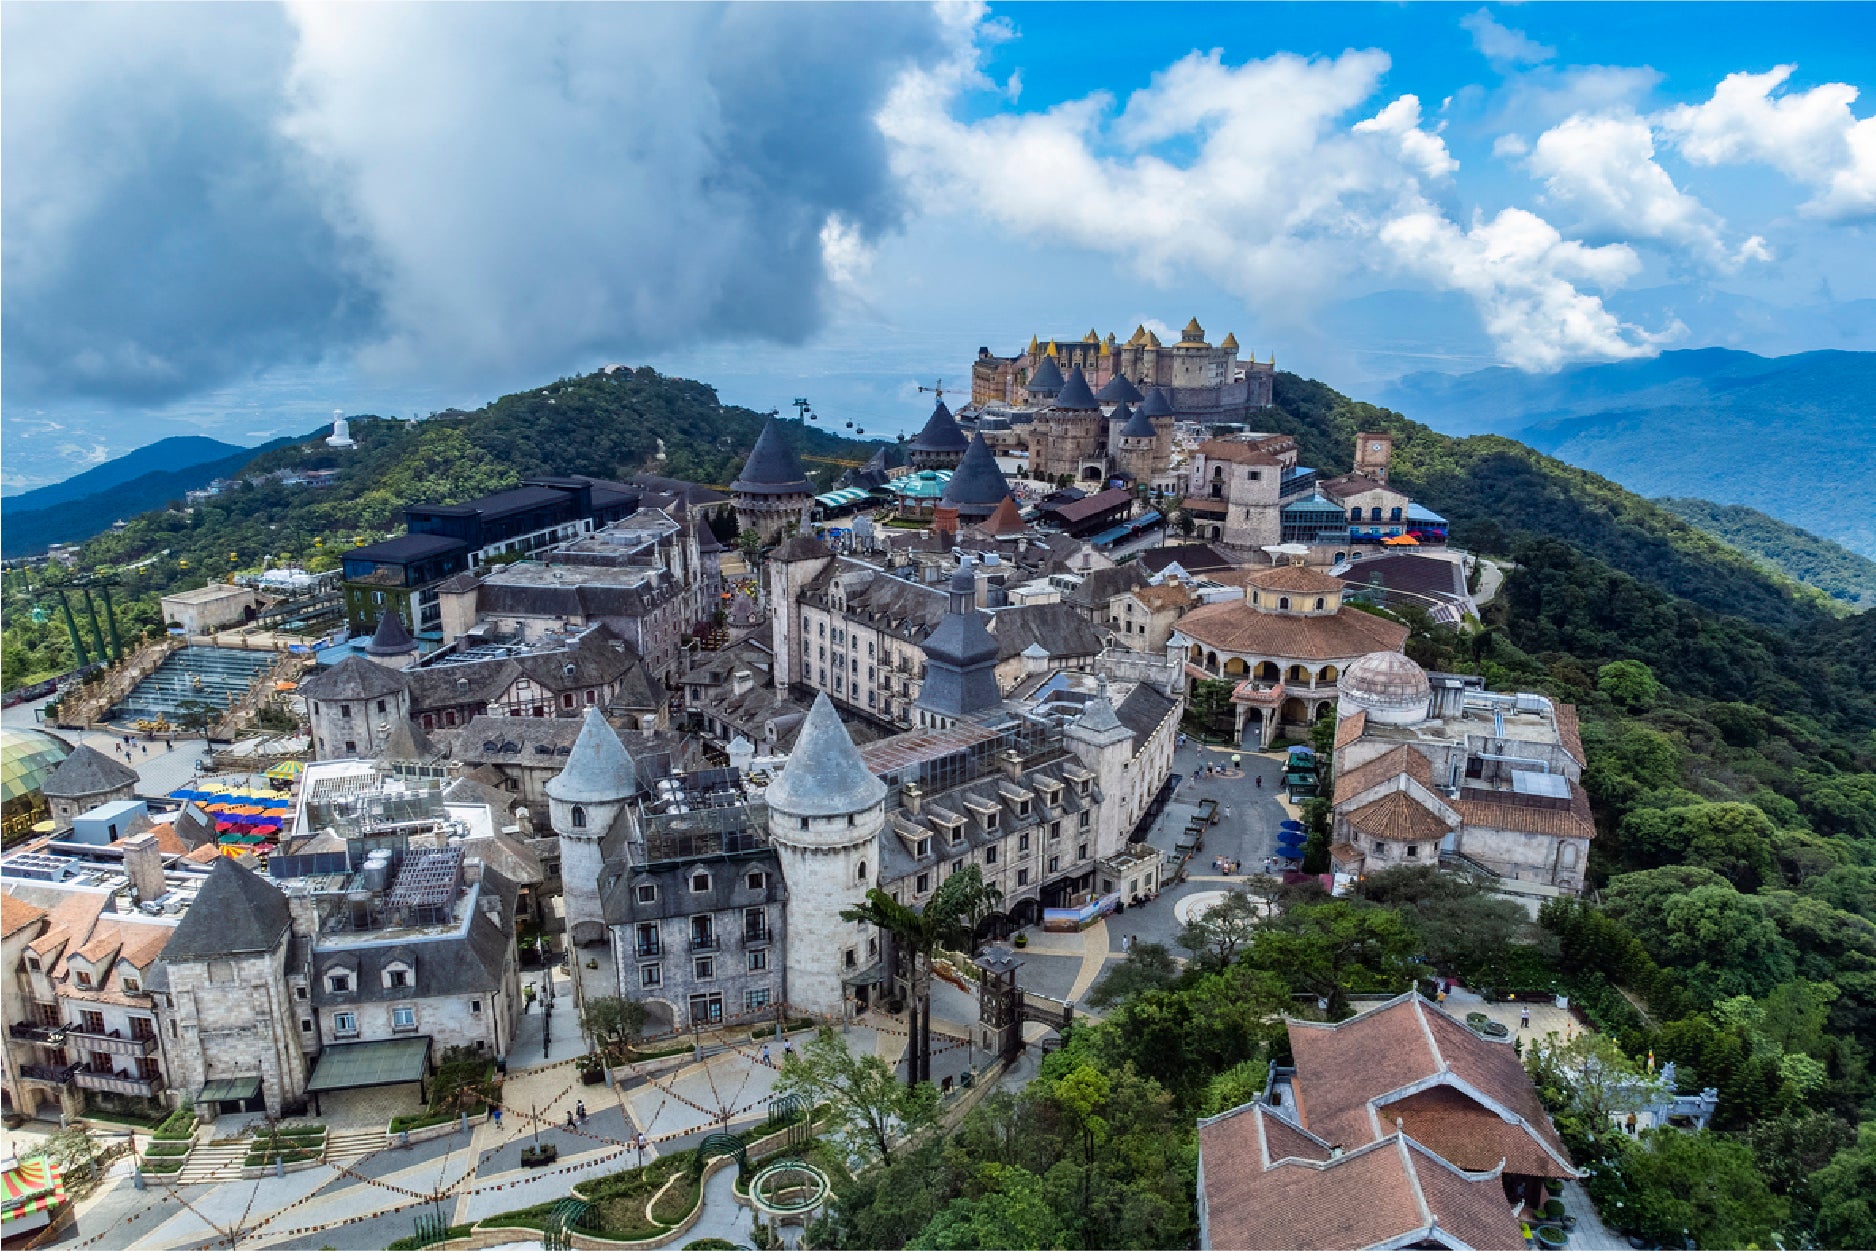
1205	382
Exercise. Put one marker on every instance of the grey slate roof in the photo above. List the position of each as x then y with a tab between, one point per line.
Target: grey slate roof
598	770
1047	379
87	771
236	912
407	742
941	433
1142	712
729	891
1139	425
391	638
825	775
1119	391
1075	395
353	678
977	482
1157	403
468	963
1057	628
772	467
801	547
451	686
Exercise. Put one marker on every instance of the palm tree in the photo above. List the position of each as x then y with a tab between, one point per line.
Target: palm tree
962	900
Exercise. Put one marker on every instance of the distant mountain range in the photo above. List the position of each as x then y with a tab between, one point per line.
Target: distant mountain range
1791	436
1842	574
86	504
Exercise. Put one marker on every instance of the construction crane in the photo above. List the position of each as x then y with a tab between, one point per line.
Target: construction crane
938	390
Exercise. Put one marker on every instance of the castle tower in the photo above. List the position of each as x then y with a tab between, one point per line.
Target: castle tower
940	445
978	486
352	707
1135	443
586	802
1045	381
1373	450
826	813
1104	746
772	491
790	568
960	660
392	645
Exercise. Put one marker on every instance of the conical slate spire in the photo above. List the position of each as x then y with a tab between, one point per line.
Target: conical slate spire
1007	520
825	776
977	486
391	638
1075	394
941	433
598	771
1047	379
960	656
772	467
1139	425
1157	403
1119	391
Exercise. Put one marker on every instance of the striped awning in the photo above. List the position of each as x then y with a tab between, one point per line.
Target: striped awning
36	1185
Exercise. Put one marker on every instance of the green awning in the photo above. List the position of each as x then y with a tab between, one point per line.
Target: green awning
388	1063
232	1090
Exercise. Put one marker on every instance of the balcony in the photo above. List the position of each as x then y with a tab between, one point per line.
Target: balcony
57	1074
757	936
141	1087
26	1031
704	942
649	951
115	1044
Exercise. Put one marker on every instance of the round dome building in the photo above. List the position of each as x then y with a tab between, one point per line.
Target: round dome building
1389	686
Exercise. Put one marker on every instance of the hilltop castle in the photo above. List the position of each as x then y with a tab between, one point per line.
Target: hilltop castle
1201	382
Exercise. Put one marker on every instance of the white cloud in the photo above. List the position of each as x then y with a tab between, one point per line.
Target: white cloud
1251	177
1812	137
1522	274
1502	45
1605	168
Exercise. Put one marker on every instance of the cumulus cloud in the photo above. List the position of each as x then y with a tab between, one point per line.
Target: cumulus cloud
1812	137
1252	176
1501	44
1605	167
462	193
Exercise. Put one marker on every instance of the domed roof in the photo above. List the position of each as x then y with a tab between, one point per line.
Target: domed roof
1296	580
27	759
1385	680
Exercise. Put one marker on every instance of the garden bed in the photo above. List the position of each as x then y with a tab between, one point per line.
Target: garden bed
179	1126
168	1149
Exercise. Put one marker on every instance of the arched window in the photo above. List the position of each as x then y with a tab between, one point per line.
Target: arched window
1298	673
579	817
1320	601
859	872
1283	602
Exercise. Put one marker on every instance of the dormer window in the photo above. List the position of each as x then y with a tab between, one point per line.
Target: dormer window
647	893
339	983
131	985
758	880
699	883
81	977
397	976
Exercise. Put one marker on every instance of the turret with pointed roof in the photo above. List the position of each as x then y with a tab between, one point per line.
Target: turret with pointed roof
940	445
587	801
392	644
1119	391
978	486
772	491
1046	380
598	770
960	660
1075	395
825	776
1192	334
1157	403
1137	424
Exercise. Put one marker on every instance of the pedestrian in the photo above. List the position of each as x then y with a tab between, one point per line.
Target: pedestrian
569	1120
1182	740
1227	813
788	1047
1524	1019
1236	760
765	1053
495	1114
1260	781
169	744
579	1111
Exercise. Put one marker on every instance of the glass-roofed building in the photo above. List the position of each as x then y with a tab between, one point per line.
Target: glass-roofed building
27	759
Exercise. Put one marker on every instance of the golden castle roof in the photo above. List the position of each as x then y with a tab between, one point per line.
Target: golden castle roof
1193	333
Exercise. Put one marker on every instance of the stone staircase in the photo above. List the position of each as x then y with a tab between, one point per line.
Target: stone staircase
343	1147
214	1162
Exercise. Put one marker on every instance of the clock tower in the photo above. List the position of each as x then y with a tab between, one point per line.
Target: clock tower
1372	451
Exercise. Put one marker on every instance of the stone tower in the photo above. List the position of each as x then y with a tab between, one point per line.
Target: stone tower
960	660
826	813
588	801
772	490
353	707
1373	450
940	445
1104	746
977	486
790	568
1134	443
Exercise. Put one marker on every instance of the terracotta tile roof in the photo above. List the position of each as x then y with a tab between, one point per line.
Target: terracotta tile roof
1569	732
69	922
1351	728
1006	520
1206	507
1235	453
1235	626
205	854
1506	811
1398	815
1261	1191
17	914
1296	579
1353	484
1169	595
1462	1132
1355	1077
1388	764
167	840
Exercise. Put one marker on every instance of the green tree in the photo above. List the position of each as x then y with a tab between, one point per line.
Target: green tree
1733	839
1845	1191
1149	966
1216	935
1703	1186
1588	1077
1007	1207
1331	948
874	1110
1693	920
1630	684
613	1023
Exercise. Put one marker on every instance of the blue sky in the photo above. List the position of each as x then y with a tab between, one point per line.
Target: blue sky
234	219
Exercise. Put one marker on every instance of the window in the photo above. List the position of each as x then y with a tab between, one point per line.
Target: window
1055	862
990	855
706	1009
351	747
759	960
579	817
699	883
395	977
647	893
566	700
859	872
1283	601
339	983
849	959
990	820
299	992
758	880
1374	514
84	978
1253	475
475	1007
1055	830
403	1018
755	1000
344	1024
1022	841
380	705
1393	514
1081	851
32	962
705	968
924	847
924	883
1413	851
647	939
306	1025
1022	877
804	823
1084	819
1320	601
1354	514
345	710
651	975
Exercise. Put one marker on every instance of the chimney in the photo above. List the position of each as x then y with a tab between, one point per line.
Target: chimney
144	863
912	795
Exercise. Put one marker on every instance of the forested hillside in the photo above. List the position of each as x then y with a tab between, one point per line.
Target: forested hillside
600	424
1840	573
